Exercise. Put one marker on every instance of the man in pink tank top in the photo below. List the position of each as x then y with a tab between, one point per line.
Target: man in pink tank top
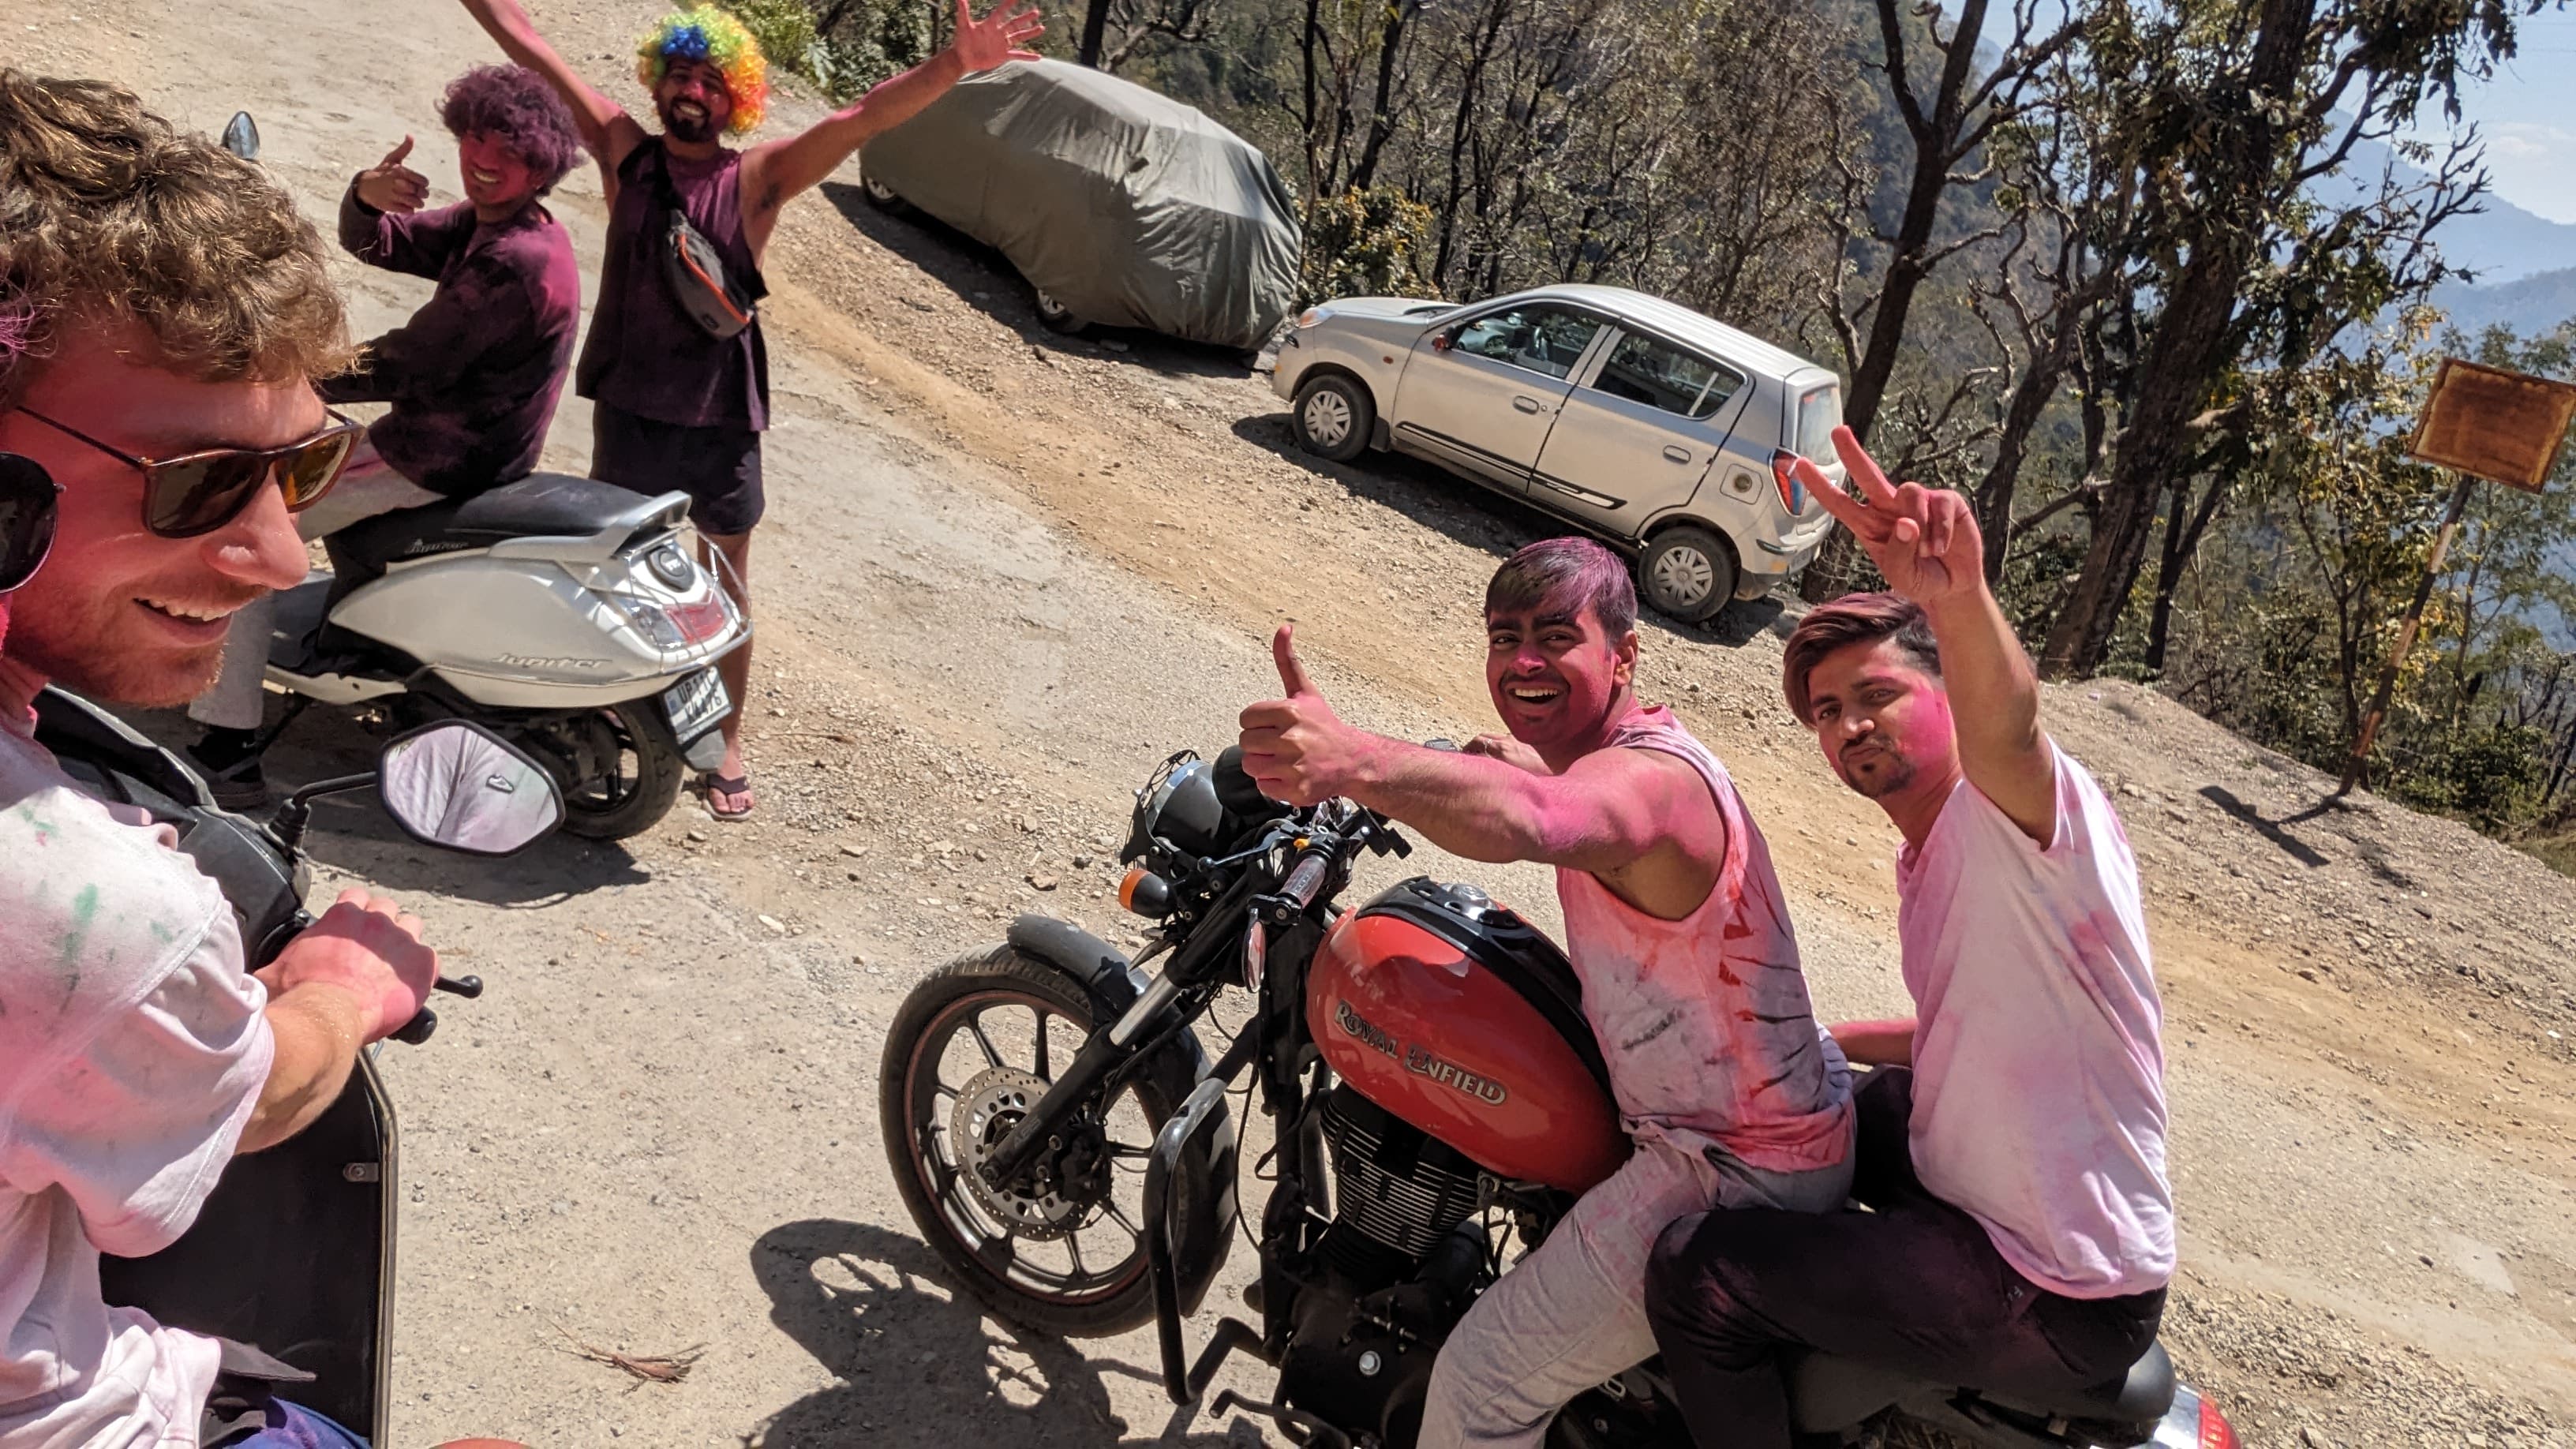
2012	1139
1675	925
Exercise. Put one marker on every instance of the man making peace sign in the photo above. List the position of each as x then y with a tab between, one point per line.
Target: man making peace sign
2023	1231
1676	927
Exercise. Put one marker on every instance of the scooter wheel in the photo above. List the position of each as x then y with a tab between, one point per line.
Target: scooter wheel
620	769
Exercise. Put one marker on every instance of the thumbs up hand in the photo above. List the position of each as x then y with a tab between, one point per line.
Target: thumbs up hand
1295	748
389	185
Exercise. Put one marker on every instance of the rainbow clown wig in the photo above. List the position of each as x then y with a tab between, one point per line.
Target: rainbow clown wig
711	35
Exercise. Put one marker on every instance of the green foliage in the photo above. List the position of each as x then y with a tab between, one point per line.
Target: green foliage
845	46
1364	243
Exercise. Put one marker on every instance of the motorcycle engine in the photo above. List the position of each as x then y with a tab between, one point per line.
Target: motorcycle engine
1399	1264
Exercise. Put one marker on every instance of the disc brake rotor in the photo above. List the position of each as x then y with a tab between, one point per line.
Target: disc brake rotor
1047	1202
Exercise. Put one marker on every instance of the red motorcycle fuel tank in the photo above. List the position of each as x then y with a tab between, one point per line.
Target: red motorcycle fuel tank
1459	1017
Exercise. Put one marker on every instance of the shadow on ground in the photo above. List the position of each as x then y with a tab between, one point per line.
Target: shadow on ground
982	278
918	1361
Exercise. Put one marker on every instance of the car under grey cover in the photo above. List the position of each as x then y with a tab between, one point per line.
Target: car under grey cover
1126	206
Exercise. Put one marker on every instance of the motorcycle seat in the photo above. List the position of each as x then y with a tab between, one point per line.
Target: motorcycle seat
2140	1397
541	505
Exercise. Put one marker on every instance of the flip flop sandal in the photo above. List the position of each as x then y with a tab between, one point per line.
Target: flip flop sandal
711	785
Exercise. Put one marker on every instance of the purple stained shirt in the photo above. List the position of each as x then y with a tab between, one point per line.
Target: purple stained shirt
474	375
645	356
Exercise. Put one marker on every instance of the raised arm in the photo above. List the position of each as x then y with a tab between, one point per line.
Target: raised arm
1641	818
1925	540
607	132
776	171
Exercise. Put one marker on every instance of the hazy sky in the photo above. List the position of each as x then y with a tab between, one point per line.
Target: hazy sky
2528	116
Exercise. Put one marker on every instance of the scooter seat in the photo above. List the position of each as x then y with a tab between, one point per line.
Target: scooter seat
541	505
2140	1398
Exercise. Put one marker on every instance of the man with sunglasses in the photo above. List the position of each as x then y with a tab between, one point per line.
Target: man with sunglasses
164	314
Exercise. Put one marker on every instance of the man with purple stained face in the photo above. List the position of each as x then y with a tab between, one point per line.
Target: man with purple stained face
473	376
1674	923
2012	1136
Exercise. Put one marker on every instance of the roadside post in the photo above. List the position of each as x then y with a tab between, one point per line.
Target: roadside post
2478	422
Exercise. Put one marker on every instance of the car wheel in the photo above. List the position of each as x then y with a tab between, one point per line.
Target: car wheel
1687	574
881	196
1056	318
1333	417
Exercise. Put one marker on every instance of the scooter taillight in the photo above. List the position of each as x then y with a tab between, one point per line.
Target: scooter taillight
2215	1431
702	620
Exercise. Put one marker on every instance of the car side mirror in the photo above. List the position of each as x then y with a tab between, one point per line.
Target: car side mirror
1444	342
241	136
459	786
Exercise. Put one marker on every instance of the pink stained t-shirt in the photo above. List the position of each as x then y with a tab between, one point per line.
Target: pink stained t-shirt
132	1051
2039	1103
1704	1022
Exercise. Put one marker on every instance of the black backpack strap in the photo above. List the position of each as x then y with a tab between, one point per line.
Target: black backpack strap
85	738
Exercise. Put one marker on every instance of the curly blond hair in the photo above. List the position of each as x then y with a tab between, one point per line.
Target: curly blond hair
110	216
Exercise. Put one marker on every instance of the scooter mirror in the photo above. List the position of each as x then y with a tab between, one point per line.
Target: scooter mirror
241	136
458	785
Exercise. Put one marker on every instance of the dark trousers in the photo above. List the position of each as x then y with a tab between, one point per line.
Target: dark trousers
1914	1285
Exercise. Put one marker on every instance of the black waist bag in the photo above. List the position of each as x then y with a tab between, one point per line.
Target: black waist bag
721	306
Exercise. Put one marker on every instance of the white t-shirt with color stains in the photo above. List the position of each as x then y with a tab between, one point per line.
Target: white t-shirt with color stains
132	1051
2039	1102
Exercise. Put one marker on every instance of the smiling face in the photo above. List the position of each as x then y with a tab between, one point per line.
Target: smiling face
497	179
692	100
119	612
1882	721
1556	676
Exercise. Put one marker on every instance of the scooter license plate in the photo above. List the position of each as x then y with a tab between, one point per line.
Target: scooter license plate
696	704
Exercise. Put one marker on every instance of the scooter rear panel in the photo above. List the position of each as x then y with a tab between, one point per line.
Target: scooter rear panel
294	1254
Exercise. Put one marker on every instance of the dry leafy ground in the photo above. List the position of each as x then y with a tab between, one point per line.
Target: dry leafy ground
1002	575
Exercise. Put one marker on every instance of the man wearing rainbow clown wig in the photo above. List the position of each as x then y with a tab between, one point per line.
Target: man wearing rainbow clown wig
678	380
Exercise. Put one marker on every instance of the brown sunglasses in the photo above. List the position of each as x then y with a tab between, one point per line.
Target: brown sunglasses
197	493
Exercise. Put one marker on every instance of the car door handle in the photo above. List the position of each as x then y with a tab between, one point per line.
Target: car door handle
1676	454
1528	405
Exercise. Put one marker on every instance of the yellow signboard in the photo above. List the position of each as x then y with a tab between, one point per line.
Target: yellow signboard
2489	423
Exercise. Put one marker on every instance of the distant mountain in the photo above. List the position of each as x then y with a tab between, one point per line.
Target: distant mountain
2500	244
2533	305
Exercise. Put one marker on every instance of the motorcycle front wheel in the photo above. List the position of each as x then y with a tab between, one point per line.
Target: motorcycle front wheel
972	1049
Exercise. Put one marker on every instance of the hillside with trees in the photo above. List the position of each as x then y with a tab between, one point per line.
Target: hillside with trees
2154	284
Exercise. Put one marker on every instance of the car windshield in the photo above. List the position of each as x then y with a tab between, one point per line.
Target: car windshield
1820	411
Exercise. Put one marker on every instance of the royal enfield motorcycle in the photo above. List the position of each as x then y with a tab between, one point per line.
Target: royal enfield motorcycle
1436	1100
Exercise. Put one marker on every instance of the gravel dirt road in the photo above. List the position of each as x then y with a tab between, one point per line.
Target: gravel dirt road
1003	574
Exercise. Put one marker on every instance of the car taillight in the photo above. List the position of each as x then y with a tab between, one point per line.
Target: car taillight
1793	494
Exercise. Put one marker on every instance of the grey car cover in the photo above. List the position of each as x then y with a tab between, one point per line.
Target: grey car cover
1126	206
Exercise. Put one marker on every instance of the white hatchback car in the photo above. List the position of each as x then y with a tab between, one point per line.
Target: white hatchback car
1661	431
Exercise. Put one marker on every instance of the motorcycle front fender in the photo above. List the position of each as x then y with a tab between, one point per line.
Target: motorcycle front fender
1203	1219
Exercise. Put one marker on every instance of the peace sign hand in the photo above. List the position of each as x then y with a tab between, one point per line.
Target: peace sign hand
389	185
1001	36
1925	540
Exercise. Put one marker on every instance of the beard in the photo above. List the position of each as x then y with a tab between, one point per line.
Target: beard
1890	772
689	130
89	645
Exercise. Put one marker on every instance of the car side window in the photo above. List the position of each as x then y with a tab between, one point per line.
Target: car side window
1650	371
1542	337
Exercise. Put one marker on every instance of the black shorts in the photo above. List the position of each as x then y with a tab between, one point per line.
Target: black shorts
717	467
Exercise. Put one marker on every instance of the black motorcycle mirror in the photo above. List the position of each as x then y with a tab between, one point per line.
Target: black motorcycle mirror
459	786
241	136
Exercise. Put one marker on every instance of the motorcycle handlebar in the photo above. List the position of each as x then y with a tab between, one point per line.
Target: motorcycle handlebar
1306	880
